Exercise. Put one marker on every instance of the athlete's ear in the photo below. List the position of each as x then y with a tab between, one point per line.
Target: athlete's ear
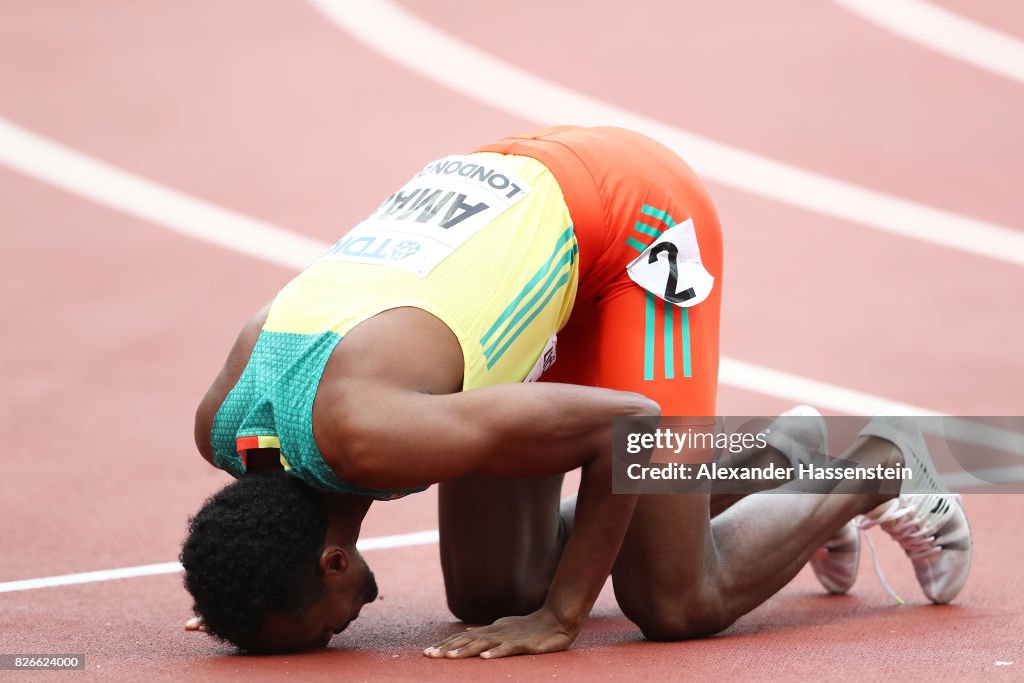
333	561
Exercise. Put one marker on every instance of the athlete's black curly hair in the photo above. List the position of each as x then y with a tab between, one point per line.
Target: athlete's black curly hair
252	550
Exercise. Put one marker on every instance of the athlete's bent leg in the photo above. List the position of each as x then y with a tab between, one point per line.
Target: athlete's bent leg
681	575
500	543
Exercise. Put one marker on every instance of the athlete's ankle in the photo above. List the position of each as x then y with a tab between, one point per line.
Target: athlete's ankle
870	501
873	450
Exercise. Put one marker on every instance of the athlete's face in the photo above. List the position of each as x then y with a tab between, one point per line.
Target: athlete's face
345	593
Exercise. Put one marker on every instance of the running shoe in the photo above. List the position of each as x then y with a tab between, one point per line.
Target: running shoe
926	519
836	563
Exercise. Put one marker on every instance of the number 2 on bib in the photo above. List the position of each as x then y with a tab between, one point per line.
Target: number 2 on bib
671	267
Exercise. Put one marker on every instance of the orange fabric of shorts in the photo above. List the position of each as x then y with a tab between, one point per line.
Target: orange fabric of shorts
623	190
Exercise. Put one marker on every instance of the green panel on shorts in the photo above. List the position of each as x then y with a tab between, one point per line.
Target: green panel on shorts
668	337
670	360
649	336
685	316
650	310
636	244
649	230
658	214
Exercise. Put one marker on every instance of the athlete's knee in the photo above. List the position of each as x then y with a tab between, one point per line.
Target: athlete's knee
483	605
693	613
674	625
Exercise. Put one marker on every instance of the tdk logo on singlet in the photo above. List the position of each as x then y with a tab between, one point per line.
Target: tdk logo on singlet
368	247
405	249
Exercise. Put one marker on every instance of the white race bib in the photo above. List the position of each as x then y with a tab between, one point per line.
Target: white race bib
433	214
671	267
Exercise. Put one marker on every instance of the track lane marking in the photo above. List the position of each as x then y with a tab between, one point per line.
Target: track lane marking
154	203
364	545
946	32
103	183
95	180
959	480
424	49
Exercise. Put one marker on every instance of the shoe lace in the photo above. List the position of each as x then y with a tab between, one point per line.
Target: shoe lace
906	520
878	569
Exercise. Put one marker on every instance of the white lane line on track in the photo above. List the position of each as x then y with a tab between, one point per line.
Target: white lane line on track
95	180
100	182
79	174
947	32
424	49
364	545
761	380
956	480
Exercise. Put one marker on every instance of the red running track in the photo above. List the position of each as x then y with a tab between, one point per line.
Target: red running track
116	325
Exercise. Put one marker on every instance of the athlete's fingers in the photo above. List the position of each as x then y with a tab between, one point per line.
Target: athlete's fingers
195	624
503	650
453	637
453	641
471	650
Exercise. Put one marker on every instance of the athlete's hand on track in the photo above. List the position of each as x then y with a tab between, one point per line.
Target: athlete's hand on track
195	624
533	634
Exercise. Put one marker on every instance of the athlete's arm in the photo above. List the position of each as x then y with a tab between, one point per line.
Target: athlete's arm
510	430
225	380
395	438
